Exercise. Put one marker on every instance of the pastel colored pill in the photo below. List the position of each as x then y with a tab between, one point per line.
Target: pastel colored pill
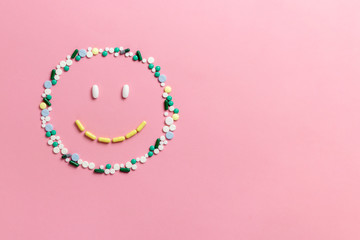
130	134
169	135
125	91
104	140
66	68
135	58
125	170
75	164
99	170
95	91
82	53
49	127
157	68
95	51
175	116
167	89
79	125
53	132
77	58
74	53
157	143
42	105
108	166
52	76
47	84
118	139
176	110
90	135
104	53
139	55
141	126
162	78
75	157
47	101
45	112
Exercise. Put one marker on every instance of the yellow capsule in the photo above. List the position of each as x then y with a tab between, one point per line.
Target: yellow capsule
118	139
104	140
79	125
130	134
95	51
90	135
141	126
42	105
175	116
167	89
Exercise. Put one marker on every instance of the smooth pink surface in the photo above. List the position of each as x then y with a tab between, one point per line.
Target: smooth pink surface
267	146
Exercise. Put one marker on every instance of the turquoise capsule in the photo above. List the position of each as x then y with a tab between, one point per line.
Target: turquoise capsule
125	170
133	161
151	66
99	170
74	53
157	143
108	166
74	163
150	154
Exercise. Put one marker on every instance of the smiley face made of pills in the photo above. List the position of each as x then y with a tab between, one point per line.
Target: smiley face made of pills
171	113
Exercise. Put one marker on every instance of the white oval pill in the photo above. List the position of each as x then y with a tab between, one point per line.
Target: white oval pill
125	91
95	91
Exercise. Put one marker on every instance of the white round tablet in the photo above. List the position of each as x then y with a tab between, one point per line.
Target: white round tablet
62	64
169	120
133	167
143	159
69	62
162	138
165	95
161	147
172	127
112	171
56	77
116	166
64	151
50	142
107	171
53	137
151	60
80	161
162	84
91	165
128	164
56	150
171	108
58	71
89	54
61	146
85	164
43	95
111	50
156	151
47	91
101	167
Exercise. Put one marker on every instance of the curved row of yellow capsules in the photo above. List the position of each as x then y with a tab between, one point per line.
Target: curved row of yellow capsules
108	140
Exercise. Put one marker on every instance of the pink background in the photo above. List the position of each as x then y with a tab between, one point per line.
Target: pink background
267	146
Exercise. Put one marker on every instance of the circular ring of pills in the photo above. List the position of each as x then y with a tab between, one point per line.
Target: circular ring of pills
74	159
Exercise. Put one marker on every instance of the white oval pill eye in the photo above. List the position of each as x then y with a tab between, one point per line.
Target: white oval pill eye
95	91
125	91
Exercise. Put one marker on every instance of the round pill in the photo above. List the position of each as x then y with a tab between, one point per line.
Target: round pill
75	157
56	149
166	129
169	121
162	78
167	89
162	138
58	71
55	144
62	64
43	125
47	84
80	161
133	161
176	110
157	68
67	160
85	164
104	53
89	48
49	127
101	167
131	54
144	60
91	165
171	103
175	116
133	167
135	58
95	51
156	151
47	118
108	166
171	108
151	66
172	127
143	159
111	50
77	58
107	171
162	84
47	91
69	62
53	138
43	95
116	49
122	165
47	134
166	114
153	70
116	166
45	112
42	105
82	53
89	54
61	146
161	147
53	82
128	164
169	98
151	60
50	142
165	95
112	171
107	49
64	151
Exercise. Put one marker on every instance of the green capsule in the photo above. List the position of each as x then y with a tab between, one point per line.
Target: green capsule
53	132
74	163
135	58
65	156
151	66
157	74
166	105
66	68
53	72
116	49
125	170
108	166
99	170
152	148
48	134
74	54
139	55
77	58
157	68
157	143
53	82
127	50
133	161
47	101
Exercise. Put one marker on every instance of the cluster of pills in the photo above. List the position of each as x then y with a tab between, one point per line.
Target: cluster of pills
171	113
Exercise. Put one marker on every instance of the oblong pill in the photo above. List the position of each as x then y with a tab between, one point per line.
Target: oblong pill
95	91
79	125
104	140
130	134
125	91
90	135
141	126
118	139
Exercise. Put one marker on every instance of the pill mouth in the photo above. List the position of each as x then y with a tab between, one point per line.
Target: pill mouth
93	137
